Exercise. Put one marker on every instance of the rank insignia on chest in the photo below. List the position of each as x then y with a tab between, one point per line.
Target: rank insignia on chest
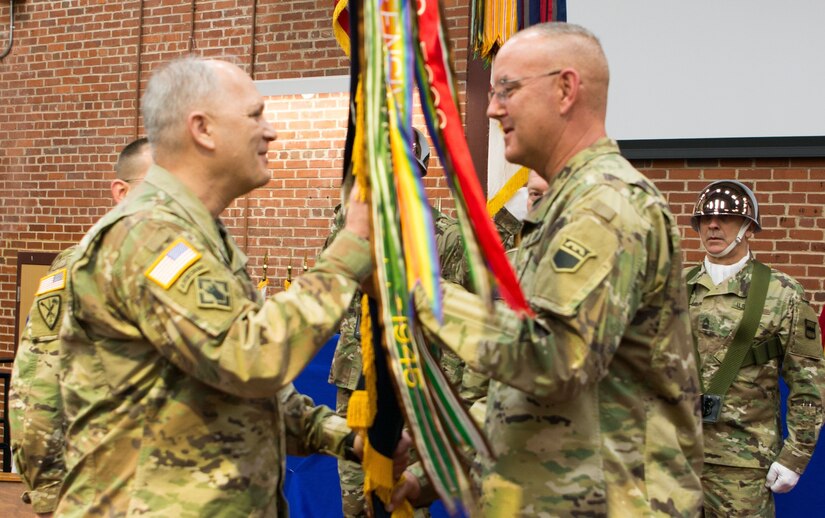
213	293
49	309
570	256
172	262
53	282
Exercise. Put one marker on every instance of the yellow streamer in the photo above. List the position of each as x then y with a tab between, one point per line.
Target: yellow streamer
500	497
500	22
358	166
378	480
514	183
340	34
363	403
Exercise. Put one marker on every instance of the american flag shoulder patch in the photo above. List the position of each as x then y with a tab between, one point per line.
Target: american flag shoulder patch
55	281
172	262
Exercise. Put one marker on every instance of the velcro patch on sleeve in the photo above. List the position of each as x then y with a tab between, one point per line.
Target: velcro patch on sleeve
810	329
577	261
49	309
172	262
55	281
213	293
806	341
570	255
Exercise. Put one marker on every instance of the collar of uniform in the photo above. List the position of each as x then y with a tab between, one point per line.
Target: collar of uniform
603	146
238	259
737	285
196	212
504	219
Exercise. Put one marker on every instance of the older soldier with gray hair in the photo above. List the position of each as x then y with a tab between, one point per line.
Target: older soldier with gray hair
593	404
753	324
176	376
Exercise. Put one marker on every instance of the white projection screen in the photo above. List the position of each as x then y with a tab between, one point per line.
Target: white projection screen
712	78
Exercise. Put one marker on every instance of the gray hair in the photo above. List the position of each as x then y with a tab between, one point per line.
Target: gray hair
563	29
556	29
172	93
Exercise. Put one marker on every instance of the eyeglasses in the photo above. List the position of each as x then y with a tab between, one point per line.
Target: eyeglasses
507	87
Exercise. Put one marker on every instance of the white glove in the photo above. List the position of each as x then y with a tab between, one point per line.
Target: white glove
781	479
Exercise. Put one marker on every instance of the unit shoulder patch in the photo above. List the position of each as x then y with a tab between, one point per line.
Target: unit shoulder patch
577	260
54	281
806	341
810	329
49	309
570	256
172	262
213	293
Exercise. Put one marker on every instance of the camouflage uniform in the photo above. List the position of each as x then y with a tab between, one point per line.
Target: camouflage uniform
508	228
35	408
472	385
346	362
176	377
747	434
453	265
822	326
593	408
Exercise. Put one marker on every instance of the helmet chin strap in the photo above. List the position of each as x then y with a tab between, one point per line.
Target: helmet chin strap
733	243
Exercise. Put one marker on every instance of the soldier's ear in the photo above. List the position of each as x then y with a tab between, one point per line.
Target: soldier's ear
119	189
567	86
201	128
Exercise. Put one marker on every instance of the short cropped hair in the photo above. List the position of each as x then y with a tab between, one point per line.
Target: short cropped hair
170	95
123	167
588	53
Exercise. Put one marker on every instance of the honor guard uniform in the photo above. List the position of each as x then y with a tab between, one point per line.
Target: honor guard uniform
752	324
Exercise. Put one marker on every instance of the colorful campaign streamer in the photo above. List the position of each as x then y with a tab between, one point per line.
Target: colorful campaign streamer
493	22
394	45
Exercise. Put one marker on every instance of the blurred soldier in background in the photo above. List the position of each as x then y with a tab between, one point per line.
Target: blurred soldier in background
35	408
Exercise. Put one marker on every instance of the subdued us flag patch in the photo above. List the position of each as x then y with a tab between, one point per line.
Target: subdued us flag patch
52	282
172	262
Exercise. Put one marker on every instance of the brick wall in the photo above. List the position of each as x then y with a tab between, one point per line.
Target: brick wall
791	195
70	100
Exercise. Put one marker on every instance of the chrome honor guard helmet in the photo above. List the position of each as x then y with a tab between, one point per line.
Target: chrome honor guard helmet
726	198
421	151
